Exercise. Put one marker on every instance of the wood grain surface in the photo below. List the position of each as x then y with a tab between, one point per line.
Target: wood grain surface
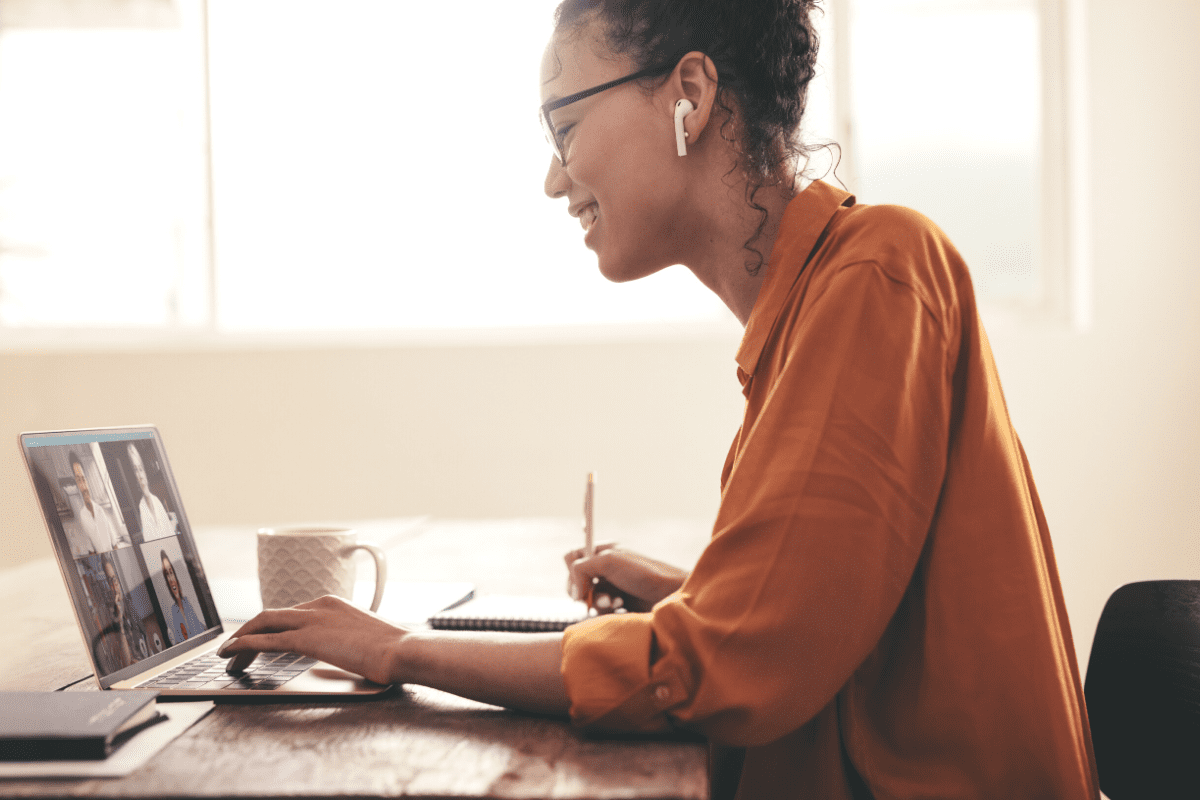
38	619
415	742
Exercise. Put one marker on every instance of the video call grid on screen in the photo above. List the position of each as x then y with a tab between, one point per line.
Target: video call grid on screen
127	552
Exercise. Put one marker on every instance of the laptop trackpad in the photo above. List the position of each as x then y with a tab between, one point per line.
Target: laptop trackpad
325	678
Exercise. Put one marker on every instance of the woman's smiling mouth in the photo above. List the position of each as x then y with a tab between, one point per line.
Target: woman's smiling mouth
587	217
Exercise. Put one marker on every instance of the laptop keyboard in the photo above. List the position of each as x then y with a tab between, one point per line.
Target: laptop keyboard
207	673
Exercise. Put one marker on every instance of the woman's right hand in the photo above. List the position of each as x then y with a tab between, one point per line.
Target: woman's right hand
626	579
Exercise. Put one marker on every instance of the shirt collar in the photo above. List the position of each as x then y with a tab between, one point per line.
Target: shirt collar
805	217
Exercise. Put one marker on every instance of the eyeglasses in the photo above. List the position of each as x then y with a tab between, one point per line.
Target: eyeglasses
555	137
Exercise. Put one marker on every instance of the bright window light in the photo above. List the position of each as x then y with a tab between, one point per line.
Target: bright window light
382	166
100	183
371	165
947	120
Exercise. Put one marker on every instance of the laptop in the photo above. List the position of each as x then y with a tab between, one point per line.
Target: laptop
143	603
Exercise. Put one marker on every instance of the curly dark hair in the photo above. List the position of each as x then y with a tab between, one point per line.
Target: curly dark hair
765	52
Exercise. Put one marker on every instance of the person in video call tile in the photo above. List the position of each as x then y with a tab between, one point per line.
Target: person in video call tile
183	622
99	529
156	522
878	612
100	603
130	635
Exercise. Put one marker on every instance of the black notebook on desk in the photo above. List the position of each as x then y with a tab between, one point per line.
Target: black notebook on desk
511	613
43	726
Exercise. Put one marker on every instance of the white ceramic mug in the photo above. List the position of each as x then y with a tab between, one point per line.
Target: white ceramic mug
296	565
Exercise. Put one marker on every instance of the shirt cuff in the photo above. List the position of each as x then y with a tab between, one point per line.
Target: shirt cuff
609	677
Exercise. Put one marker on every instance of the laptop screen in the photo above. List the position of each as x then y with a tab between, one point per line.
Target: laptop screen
123	542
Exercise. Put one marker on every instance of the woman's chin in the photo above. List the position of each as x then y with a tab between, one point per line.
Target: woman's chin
619	270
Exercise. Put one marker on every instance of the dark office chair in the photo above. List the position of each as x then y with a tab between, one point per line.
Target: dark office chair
1143	692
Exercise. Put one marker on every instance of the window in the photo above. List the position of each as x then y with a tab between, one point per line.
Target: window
397	147
258	166
101	166
947	120
958	108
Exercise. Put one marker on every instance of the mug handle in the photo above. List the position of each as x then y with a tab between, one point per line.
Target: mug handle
380	569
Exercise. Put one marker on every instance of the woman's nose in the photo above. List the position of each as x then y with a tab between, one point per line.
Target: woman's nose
557	180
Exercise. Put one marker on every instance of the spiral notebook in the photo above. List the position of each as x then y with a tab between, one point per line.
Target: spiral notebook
511	613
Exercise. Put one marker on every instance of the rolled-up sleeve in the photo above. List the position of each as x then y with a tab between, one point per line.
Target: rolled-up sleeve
829	496
612	678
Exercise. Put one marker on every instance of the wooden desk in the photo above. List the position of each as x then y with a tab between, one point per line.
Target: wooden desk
418	743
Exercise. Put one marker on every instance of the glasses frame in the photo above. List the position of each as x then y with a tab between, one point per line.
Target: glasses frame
552	135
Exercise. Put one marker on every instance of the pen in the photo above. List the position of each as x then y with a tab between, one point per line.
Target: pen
589	542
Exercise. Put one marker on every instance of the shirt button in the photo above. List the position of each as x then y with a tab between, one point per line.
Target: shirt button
663	693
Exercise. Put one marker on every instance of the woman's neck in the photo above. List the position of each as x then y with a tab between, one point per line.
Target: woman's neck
731	251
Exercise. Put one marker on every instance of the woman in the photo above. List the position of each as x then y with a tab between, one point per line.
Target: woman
130	644
184	622
156	522
878	613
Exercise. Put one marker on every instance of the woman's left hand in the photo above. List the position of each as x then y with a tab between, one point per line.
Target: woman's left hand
329	629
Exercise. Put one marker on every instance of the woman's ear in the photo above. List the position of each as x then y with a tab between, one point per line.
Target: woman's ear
695	81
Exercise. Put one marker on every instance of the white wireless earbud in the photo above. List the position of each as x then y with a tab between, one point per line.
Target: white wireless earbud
682	109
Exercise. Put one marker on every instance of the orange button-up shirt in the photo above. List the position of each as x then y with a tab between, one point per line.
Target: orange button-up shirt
879	604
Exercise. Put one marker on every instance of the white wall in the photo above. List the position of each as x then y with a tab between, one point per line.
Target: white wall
1110	418
273	436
